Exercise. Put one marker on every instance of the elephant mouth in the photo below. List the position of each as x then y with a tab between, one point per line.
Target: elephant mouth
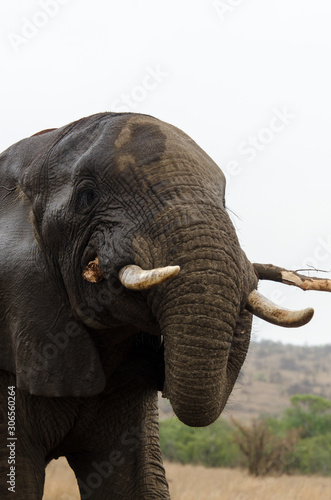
152	348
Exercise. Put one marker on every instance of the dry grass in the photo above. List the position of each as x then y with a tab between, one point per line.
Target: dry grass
188	482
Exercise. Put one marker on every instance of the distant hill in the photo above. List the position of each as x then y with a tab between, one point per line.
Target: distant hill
272	373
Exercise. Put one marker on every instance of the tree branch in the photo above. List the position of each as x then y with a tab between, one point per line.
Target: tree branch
274	273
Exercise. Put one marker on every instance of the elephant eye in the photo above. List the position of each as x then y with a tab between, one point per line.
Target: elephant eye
86	199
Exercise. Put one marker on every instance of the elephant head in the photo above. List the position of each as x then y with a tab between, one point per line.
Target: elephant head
119	190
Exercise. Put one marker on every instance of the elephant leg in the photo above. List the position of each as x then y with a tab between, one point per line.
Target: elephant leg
127	463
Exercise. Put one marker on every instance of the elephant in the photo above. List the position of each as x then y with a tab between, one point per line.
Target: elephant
121	275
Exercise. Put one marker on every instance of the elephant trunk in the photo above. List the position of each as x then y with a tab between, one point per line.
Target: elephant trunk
198	317
195	378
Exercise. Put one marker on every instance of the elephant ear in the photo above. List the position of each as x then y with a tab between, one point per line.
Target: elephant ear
50	351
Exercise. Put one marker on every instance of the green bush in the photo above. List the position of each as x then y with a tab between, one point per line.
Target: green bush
311	414
313	455
212	446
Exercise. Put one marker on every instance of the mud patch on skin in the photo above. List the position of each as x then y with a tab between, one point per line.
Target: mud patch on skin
125	161
140	142
123	138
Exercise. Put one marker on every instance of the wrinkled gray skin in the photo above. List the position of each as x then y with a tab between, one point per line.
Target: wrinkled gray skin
87	358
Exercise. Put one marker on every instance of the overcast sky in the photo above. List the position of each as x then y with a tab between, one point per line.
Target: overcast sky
248	80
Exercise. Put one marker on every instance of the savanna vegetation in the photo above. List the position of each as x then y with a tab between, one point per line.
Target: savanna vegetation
299	441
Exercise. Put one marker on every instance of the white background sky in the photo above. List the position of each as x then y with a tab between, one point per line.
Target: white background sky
222	74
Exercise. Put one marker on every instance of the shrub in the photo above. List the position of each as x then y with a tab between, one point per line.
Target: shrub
212	446
313	455
265	451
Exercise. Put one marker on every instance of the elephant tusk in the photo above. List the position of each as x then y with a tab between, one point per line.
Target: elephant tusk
134	278
267	310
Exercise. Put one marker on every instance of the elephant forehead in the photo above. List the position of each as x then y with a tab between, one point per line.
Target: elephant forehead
144	141
108	145
140	141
